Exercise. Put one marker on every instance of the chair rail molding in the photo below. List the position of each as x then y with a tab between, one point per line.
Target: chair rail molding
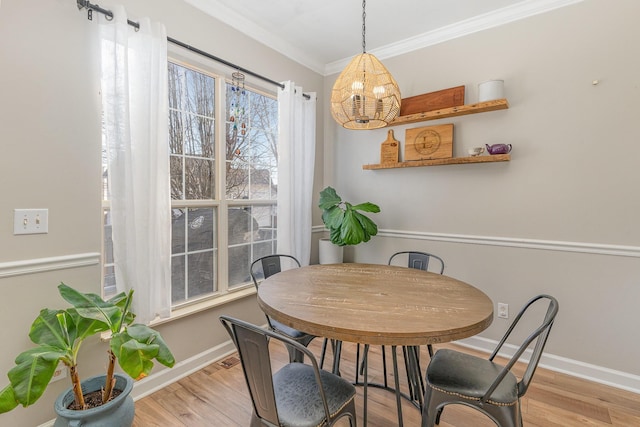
550	245
40	265
514	242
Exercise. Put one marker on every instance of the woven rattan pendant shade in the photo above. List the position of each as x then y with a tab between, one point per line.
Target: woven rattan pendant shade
365	95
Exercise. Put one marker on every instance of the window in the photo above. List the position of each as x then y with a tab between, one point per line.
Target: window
223	195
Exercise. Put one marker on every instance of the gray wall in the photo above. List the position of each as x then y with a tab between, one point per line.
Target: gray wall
50	158
562	216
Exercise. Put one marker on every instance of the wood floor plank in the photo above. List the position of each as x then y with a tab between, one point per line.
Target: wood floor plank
150	413
217	396
558	399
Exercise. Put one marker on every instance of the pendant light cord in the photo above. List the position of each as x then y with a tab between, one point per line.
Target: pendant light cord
364	28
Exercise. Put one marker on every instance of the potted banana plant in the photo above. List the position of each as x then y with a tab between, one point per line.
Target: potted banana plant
346	223
58	335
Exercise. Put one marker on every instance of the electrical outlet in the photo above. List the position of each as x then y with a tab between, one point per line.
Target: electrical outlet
503	310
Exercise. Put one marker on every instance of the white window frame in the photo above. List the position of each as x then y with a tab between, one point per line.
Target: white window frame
224	293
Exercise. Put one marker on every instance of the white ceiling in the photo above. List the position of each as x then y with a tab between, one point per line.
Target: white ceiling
325	34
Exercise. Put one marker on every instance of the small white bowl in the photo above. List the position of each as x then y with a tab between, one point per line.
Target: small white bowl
476	151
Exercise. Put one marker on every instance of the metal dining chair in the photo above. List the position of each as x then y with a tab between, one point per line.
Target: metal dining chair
456	377
265	267
298	394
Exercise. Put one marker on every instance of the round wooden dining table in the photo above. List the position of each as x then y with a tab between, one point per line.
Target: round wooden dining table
375	304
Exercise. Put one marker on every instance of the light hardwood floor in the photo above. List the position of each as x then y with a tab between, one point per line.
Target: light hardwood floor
217	396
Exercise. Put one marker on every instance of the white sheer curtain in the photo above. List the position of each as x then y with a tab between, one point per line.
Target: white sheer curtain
296	158
134	100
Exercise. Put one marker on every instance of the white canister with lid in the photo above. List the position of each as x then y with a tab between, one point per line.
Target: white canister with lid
490	90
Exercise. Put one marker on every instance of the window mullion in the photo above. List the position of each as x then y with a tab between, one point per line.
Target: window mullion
221	180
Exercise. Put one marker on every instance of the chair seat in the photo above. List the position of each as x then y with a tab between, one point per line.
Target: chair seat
298	401
288	331
467	376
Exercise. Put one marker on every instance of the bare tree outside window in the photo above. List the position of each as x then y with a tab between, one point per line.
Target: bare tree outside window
192	142
251	171
249	196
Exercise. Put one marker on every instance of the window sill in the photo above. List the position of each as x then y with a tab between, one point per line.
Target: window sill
206	304
198	307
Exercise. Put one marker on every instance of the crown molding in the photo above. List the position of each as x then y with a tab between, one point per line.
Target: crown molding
476	24
518	11
223	13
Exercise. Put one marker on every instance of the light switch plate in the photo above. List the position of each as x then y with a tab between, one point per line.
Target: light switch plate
30	221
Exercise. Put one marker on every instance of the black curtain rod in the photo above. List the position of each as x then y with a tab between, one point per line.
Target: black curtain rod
82	4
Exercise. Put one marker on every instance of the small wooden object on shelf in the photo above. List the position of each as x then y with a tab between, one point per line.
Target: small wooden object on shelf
438	100
389	149
429	142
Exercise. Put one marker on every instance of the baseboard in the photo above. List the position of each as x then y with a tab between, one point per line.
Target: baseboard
162	378
587	371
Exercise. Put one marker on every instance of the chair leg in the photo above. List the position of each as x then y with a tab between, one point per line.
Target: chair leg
323	353
439	414
505	416
430	411
255	421
414	374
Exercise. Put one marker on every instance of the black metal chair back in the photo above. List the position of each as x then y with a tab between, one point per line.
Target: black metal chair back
270	265
265	267
298	394
420	260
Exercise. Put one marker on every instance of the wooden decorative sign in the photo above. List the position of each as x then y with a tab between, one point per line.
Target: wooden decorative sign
430	142
389	149
445	98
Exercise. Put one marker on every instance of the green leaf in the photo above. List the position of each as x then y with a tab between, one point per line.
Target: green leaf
134	357
351	232
54	328
86	327
329	198
145	334
92	306
367	207
120	300
123	302
334	236
333	217
370	227
33	372
8	399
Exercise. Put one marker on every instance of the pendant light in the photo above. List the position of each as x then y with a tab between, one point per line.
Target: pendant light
365	95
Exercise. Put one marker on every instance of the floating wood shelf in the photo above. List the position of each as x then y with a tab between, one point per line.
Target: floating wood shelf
439	162
462	110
